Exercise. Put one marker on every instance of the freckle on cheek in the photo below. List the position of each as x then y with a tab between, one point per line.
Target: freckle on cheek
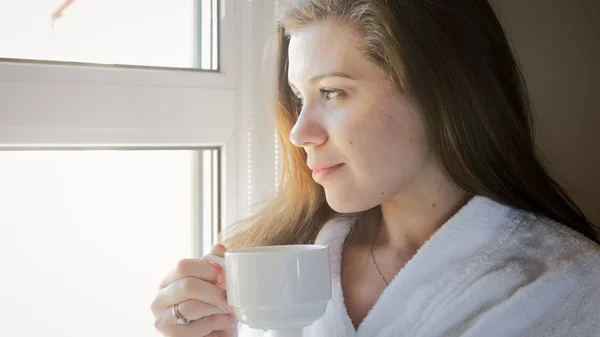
350	142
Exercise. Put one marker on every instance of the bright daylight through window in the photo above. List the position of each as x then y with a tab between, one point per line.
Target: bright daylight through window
180	34
109	174
87	235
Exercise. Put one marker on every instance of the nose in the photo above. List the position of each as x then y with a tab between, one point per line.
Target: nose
308	130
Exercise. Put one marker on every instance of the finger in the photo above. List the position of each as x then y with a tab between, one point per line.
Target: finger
191	310
201	327
195	267
190	288
199	268
220	333
218	250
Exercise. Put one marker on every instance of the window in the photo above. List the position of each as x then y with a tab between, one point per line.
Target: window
178	34
87	235
97	164
202	136
56	104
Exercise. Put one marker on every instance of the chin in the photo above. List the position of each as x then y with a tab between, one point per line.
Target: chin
348	202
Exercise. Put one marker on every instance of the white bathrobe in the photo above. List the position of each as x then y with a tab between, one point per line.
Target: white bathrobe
489	271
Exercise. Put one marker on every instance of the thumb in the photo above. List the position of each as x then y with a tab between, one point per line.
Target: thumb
218	250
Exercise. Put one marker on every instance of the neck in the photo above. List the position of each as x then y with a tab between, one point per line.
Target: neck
410	218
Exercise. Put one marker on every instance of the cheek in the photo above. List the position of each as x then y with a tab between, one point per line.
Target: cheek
379	131
384	152
383	142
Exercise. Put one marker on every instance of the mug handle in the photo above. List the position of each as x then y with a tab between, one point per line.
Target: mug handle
214	258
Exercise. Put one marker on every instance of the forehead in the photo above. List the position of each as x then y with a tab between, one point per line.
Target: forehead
322	48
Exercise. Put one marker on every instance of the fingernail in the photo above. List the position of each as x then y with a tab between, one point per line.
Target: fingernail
230	310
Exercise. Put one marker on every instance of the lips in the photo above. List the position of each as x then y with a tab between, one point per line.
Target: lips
319	168
321	172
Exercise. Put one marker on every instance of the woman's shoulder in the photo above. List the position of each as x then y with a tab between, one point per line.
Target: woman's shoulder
558	272
552	241
570	265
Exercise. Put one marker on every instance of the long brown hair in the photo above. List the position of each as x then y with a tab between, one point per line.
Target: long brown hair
453	58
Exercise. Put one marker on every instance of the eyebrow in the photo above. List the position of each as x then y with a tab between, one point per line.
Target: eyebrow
326	75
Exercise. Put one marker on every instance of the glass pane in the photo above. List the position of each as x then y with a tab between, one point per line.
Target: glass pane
210	205
86	237
181	34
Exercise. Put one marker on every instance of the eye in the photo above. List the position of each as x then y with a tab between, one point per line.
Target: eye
329	93
326	93
298	101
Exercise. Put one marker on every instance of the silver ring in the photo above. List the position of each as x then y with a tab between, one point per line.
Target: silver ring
180	319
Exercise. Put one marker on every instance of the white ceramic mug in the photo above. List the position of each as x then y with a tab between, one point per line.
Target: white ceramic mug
277	287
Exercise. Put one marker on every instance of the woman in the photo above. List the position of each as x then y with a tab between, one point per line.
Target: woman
408	148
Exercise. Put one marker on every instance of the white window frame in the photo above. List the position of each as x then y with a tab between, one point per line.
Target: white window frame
58	105
54	105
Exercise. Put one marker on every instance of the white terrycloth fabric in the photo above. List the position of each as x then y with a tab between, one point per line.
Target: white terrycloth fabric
489	271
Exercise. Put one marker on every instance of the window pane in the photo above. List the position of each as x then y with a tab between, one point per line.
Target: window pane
178	34
209	204
86	237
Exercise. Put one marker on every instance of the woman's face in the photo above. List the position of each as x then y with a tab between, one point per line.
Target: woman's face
365	142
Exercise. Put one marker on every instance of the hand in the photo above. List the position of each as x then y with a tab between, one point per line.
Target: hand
197	287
